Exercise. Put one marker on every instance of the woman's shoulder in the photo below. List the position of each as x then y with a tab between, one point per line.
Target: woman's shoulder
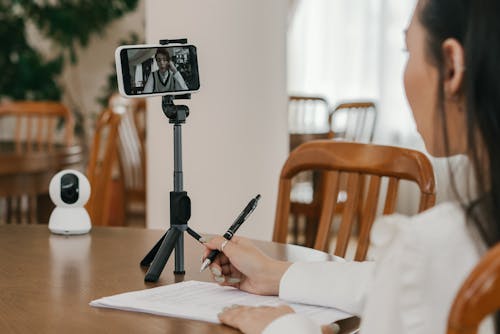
442	218
426	257
443	225
440	221
446	212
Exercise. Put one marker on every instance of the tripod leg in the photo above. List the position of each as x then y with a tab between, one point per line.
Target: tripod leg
179	256
146	261
162	255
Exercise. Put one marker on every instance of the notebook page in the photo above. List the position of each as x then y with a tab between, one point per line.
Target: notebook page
203	301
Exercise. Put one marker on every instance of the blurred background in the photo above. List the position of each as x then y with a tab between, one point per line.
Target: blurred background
255	59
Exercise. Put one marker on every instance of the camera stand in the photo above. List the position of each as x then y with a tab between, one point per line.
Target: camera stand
180	203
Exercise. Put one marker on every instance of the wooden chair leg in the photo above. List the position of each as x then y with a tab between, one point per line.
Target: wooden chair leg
295	228
310	231
8	214
44	208
32	209
18	210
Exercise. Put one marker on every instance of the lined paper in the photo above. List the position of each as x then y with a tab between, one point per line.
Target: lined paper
203	301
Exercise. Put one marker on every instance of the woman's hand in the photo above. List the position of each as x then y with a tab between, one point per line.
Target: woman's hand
252	320
243	266
172	66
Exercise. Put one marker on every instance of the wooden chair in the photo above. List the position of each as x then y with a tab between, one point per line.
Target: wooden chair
357	161
132	153
478	297
354	121
308	119
35	127
307	115
35	123
103	155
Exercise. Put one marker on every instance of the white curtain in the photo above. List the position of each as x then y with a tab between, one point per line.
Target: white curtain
352	50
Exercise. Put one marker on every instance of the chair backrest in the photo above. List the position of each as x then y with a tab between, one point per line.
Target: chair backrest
36	123
308	118
131	141
34	126
354	121
478	297
101	161
357	161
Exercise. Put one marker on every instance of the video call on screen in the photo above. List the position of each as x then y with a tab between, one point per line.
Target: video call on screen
150	74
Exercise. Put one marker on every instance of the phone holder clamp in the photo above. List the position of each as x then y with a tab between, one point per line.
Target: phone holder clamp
176	114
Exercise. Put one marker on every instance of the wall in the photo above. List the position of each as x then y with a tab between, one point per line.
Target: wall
235	140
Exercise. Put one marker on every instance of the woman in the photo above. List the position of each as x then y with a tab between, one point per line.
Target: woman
167	78
452	85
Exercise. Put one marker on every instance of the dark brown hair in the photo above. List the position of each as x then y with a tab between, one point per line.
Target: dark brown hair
163	51
475	24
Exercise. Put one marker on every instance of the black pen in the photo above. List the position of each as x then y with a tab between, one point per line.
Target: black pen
232	230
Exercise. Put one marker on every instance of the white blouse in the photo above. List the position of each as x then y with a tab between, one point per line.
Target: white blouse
421	262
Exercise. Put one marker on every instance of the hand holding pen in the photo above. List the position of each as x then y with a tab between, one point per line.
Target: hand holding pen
232	230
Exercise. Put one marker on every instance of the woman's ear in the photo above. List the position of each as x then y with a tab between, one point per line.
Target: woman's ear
454	67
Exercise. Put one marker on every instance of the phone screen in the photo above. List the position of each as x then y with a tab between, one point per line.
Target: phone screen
158	70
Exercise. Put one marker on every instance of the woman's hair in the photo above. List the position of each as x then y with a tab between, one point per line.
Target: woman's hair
475	24
162	51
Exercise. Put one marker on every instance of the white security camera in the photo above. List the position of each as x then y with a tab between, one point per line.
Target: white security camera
69	190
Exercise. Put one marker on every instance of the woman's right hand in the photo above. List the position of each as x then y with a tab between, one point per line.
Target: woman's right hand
243	266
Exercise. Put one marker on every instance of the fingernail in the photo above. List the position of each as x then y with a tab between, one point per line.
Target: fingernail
234	280
215	271
335	327
220	279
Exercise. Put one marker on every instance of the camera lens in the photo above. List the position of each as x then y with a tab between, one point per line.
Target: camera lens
69	188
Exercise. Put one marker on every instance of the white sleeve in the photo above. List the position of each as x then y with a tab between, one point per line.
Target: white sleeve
421	263
341	285
148	88
292	323
180	84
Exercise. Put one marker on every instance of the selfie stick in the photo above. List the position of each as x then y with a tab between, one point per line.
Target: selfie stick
180	203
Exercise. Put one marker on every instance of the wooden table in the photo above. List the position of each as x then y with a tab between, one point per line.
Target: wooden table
24	173
47	281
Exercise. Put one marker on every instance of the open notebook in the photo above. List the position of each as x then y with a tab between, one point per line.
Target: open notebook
203	301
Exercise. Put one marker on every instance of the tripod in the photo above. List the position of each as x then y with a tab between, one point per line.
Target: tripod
180	203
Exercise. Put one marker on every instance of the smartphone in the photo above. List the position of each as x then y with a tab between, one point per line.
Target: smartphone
155	70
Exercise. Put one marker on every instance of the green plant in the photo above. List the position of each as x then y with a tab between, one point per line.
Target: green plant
26	75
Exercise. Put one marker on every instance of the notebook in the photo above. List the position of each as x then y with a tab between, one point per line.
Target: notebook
203	301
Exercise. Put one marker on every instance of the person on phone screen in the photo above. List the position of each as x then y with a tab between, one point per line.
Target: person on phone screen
452	82
167	78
